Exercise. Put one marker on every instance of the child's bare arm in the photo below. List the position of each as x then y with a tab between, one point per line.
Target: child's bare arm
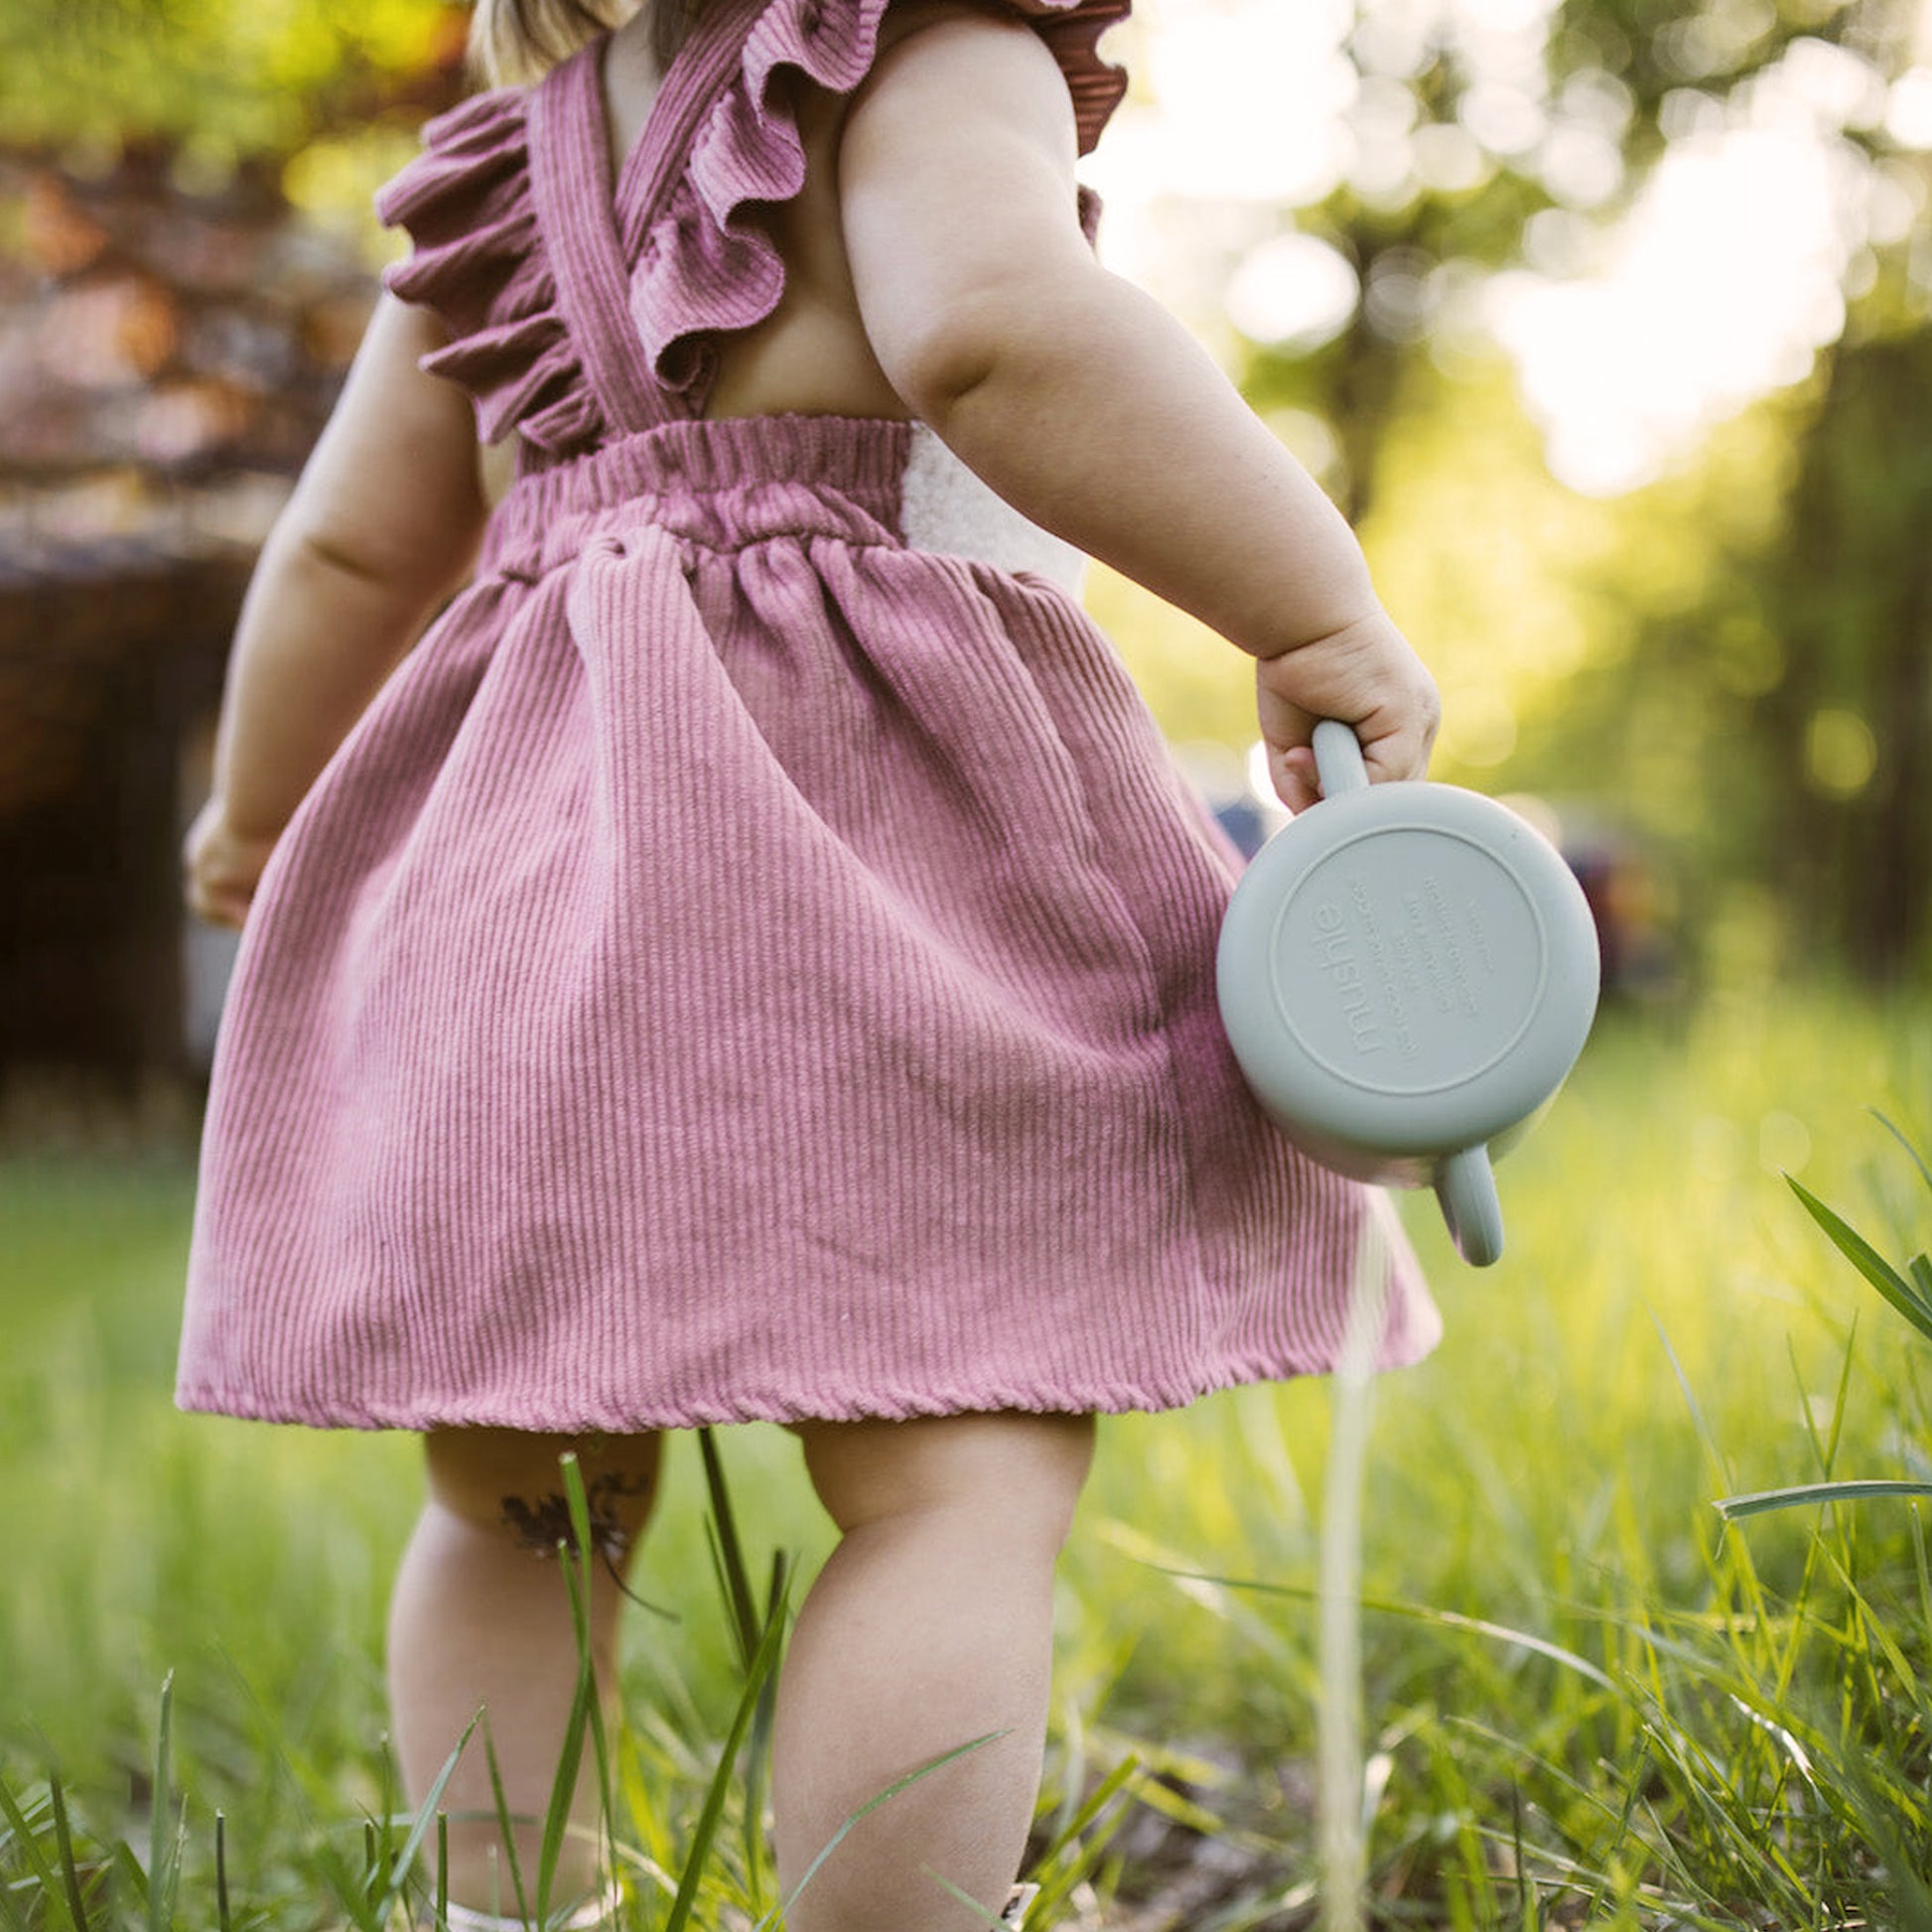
1084	403
382	525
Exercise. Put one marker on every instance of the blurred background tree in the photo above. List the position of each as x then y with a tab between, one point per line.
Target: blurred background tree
1608	324
185	265
219	82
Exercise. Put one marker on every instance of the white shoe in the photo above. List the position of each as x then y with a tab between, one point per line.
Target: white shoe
1013	1912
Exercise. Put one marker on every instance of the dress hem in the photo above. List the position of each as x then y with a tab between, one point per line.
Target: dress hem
986	1398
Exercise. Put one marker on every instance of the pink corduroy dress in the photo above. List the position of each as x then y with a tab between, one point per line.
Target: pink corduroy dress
755	958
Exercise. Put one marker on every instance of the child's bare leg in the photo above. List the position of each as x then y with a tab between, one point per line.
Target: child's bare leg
481	1616
930	1624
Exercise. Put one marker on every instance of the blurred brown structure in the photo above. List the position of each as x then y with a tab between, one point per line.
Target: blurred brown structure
165	363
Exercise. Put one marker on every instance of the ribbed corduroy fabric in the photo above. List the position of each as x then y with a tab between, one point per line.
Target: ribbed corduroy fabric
742	965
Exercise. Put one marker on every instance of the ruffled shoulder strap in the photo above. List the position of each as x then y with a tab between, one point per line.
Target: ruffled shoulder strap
575	313
481	264
701	265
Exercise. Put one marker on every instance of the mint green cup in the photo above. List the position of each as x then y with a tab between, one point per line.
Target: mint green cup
1407	974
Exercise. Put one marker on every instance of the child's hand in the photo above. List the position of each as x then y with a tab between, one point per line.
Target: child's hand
220	868
1367	676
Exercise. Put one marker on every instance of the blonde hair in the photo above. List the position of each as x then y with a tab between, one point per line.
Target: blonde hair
515	42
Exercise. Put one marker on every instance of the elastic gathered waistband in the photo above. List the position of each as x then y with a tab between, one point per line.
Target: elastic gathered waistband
725	483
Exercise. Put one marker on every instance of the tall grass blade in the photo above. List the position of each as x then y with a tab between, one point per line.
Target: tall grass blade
1905	1296
1760	1501
164	1845
1705	1434
505	1819
1417	1614
1898	1134
381	1861
871	1804
1826	1447
1066	1862
1103	1794
563	1789
1340	1764
1922	1568
763	1662
1161	1798
730	1550
734	1575
757	1758
964	1898
63	1845
582	1575
441	1871
1519	1862
223	1917
127	1869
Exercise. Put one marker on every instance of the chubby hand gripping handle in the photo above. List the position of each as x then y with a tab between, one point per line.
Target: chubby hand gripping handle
1339	758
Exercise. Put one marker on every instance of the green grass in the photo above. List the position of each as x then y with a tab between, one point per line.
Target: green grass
1588	1698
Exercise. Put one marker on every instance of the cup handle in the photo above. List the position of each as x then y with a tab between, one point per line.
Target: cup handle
1466	1190
1339	758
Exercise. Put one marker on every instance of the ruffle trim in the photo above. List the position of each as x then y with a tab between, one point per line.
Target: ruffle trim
481	264
703	268
480	260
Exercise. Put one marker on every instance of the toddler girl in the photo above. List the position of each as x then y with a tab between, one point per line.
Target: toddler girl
751	957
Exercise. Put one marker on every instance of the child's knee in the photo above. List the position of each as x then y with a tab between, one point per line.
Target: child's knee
1022	1473
510	1482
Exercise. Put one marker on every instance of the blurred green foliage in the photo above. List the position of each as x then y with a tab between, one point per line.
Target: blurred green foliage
223	79
1730	666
